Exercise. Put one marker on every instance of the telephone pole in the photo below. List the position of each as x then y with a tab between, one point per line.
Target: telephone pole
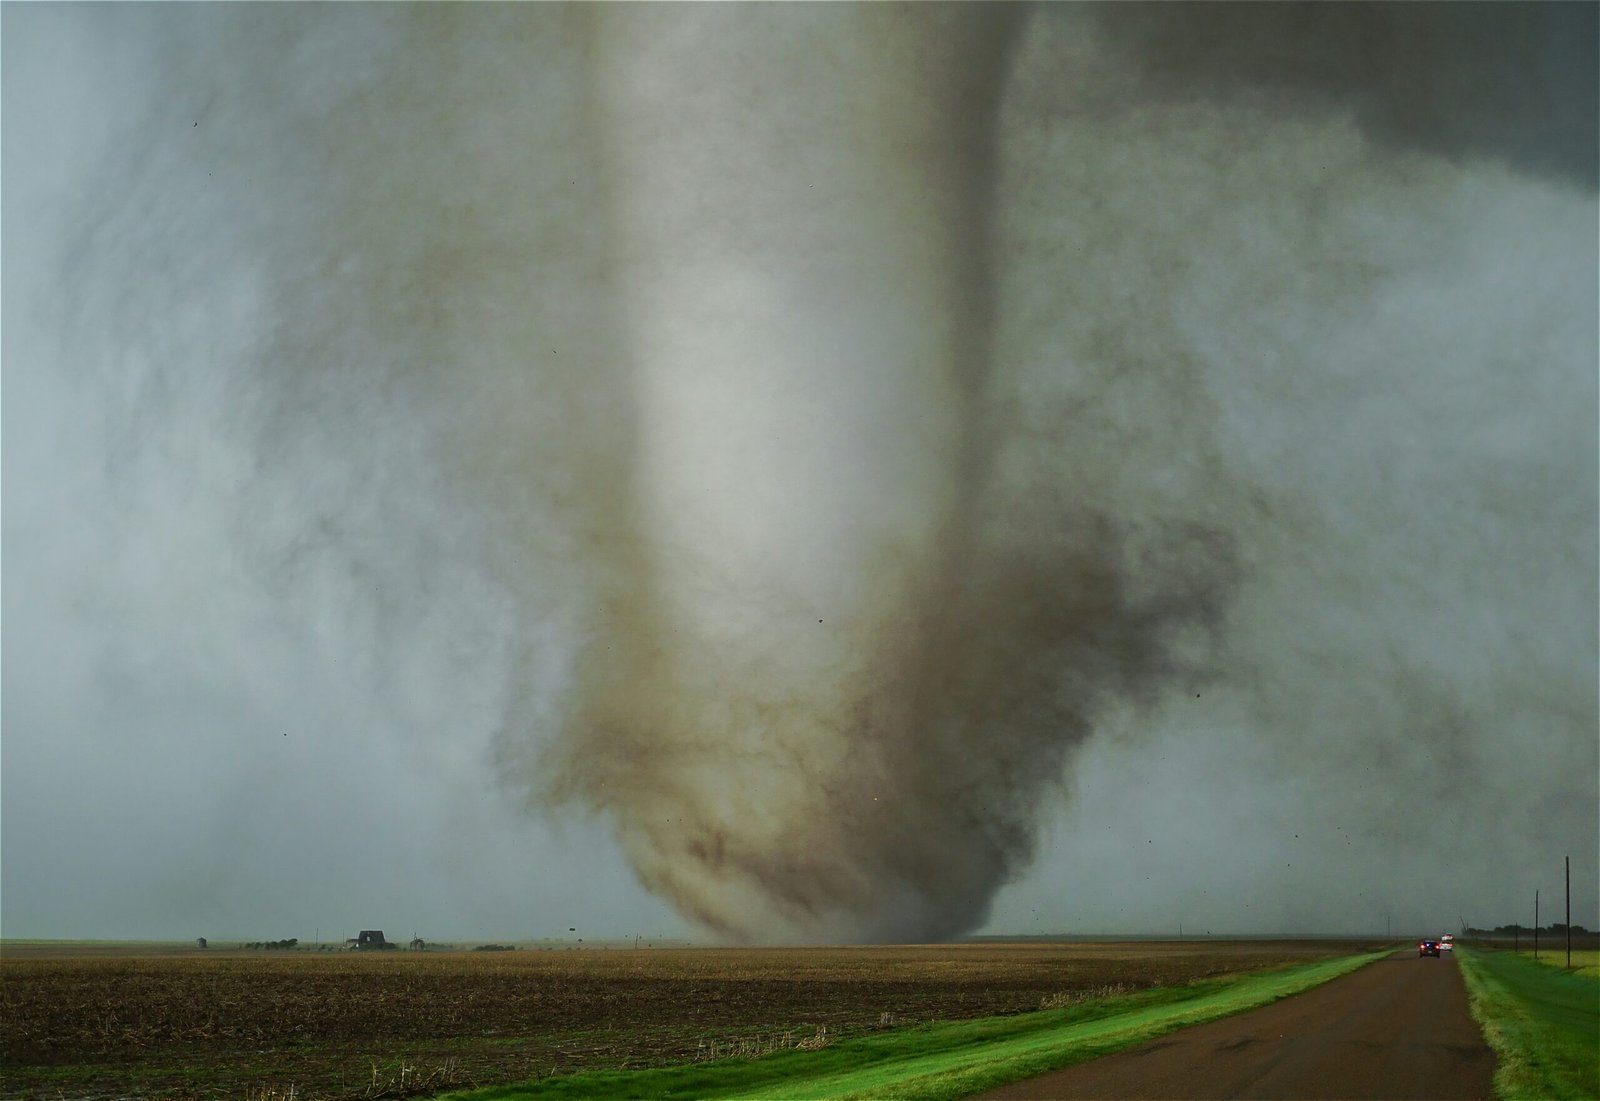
1536	923
1569	912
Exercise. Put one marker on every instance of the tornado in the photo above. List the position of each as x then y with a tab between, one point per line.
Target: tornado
823	692
850	465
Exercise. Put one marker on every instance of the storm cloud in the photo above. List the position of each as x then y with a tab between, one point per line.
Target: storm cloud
880	472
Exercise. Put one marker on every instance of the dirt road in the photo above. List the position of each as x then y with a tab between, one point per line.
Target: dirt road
1398	1028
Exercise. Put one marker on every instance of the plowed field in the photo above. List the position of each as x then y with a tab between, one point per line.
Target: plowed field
342	1025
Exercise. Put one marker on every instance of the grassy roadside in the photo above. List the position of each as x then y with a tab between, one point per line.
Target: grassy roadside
947	1060
1543	1024
1585	961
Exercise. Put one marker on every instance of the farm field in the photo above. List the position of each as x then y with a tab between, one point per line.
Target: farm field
1585	962
141	1021
1542	1021
1553	950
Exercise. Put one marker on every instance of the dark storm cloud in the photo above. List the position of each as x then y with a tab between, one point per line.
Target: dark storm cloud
1328	310
1507	81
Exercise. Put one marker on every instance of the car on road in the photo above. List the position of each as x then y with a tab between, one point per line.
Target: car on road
1428	948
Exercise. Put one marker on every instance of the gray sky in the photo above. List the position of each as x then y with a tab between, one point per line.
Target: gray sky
427	431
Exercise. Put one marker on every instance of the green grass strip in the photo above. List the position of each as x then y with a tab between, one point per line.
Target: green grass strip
949	1059
1543	1024
1585	961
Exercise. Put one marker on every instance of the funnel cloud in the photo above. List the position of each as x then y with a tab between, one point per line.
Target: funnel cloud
828	690
857	472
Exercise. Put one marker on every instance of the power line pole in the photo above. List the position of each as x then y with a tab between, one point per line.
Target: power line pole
1569	912
1536	923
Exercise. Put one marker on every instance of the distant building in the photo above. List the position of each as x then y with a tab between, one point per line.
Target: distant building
369	940
199	942
417	944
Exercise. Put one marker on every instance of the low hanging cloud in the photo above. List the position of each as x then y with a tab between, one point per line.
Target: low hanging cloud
799	434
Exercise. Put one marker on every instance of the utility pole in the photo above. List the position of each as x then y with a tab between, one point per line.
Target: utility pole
1536	923
1569	912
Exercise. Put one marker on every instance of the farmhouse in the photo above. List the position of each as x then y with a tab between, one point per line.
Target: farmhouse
369	940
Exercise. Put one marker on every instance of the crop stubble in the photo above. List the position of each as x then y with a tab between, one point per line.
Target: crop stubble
214	1024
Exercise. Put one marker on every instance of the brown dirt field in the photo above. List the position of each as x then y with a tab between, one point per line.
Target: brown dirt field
191	1024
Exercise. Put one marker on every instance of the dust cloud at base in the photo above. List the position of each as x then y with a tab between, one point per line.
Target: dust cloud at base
799	436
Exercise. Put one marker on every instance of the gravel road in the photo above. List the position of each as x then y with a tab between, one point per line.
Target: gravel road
1398	1028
